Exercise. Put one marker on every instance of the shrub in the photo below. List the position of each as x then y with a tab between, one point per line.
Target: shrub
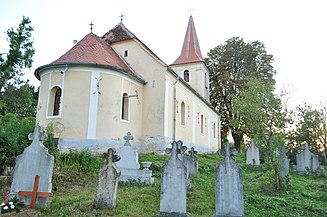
14	132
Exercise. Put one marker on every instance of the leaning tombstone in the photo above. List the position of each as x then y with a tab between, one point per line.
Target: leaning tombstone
192	163
34	162
173	186
306	161
228	187
129	166
108	182
252	155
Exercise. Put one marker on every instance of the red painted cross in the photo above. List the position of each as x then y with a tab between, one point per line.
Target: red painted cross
34	194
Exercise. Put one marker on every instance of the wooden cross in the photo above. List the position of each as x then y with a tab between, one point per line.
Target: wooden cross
34	194
128	137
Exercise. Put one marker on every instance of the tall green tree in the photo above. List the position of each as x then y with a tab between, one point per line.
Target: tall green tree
309	127
20	54
231	66
264	118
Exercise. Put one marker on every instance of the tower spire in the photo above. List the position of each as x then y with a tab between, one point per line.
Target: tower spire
191	51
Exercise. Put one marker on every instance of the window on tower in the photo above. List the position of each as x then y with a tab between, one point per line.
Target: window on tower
186	75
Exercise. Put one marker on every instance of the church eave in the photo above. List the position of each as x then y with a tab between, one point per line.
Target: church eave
127	73
171	71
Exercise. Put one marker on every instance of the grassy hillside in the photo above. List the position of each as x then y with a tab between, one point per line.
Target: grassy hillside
75	180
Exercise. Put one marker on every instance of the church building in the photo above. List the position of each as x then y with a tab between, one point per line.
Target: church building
104	87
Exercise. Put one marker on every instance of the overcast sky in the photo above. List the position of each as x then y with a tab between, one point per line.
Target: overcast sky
294	31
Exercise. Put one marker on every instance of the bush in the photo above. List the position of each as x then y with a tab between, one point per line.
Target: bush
14	132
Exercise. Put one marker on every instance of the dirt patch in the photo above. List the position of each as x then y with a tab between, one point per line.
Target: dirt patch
24	212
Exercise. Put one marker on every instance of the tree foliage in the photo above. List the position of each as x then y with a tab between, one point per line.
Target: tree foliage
21	100
309	127
20	53
231	66
17	96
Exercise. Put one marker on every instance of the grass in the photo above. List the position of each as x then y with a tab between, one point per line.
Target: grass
75	180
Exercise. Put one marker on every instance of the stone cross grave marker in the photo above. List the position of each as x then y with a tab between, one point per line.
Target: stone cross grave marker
228	187
173	185
34	194
192	162
306	160
129	164
284	162
252	155
34	161
108	181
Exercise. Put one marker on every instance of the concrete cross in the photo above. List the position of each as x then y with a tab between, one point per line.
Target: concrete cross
38	135
192	152
180	147
110	155
172	150
128	137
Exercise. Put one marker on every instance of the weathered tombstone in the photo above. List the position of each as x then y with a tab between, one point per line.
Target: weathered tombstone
108	181
284	162
306	161
34	161
234	151
229	187
129	166
252	155
173	185
192	163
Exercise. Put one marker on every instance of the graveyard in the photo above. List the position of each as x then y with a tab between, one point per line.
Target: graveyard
75	178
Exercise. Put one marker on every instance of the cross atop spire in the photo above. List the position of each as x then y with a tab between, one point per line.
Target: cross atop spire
91	24
190	11
121	17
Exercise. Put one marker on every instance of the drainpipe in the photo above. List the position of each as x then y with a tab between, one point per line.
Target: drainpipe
174	131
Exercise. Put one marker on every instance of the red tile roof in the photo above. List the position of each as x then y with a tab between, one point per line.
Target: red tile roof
93	50
191	51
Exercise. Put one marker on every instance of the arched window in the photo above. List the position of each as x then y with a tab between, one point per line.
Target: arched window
57	100
125	106
201	123
186	75
205	81
182	113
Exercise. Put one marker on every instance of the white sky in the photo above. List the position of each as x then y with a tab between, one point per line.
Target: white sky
294	31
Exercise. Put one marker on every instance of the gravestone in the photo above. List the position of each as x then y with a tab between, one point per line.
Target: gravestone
228	187
284	162
35	160
252	155
173	185
306	161
129	166
108	181
192	163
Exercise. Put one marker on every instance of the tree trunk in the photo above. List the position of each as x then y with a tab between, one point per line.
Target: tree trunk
237	140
